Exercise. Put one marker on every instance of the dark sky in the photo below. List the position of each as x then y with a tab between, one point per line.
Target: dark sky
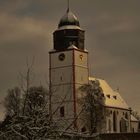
112	39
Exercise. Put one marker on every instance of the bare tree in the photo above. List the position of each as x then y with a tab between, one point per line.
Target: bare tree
26	81
28	114
35	123
37	101
136	114
12	102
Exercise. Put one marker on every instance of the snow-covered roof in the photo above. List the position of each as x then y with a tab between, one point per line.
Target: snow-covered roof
72	47
133	119
69	19
112	98
69	27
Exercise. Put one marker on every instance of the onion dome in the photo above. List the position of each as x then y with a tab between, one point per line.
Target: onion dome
69	19
68	32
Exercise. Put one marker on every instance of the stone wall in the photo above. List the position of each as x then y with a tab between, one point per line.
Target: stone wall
120	136
117	136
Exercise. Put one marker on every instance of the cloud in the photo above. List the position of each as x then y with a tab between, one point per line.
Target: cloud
112	39
21	38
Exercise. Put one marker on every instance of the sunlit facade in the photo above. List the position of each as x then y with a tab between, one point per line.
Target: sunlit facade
68	71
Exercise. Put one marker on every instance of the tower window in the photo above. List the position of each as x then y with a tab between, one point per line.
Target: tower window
61	78
62	111
83	129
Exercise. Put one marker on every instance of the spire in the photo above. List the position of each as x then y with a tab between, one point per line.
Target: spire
68	32
68	8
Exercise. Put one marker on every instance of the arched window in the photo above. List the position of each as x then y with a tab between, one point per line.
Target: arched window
61	78
126	115
62	111
123	125
139	126
114	121
109	125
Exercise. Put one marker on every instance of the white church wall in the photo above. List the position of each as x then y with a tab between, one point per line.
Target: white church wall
121	120
81	58
81	75
134	126
55	62
83	122
67	76
62	93
61	76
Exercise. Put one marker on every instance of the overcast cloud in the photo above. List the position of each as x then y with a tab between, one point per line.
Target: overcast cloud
112	39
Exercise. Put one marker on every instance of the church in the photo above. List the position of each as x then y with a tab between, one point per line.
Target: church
68	71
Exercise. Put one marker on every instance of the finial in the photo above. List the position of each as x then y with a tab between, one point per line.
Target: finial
68	6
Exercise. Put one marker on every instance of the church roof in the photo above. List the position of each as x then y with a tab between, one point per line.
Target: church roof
69	19
112	98
133	119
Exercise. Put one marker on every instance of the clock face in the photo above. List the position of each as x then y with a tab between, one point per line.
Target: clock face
61	56
81	57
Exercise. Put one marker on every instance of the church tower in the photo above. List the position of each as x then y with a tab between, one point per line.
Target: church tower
68	70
